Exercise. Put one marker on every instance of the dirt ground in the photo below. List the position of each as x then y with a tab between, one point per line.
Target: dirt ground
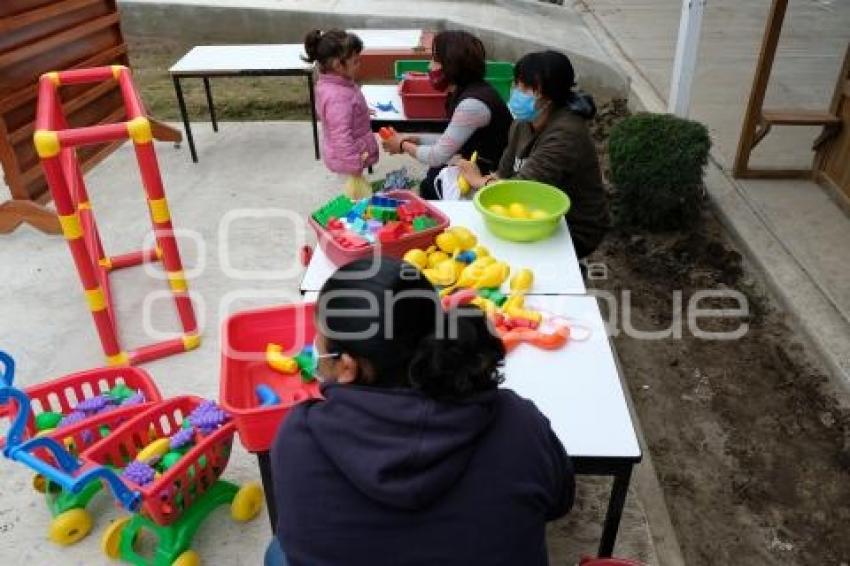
751	444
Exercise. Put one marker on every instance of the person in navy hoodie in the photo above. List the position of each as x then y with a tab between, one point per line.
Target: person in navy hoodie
415	456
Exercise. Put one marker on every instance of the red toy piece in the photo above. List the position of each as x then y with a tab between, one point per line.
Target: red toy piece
391	232
350	240
386	133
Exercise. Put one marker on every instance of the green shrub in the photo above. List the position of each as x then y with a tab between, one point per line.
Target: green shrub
657	163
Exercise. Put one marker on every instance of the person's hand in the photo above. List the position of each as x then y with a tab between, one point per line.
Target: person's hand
470	172
411	138
392	144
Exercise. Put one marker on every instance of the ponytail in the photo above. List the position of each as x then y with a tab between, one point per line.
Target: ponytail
464	360
323	47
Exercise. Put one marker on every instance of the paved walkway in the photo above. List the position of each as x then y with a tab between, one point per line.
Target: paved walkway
793	228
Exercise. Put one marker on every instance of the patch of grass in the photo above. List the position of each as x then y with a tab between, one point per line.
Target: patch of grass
248	98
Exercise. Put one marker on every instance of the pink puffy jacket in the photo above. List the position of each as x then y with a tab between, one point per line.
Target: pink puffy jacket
346	134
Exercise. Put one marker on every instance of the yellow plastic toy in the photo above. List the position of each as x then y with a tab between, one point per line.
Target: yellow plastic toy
416	257
515	307
518	210
462	184
522	281
498	209
279	362
156	449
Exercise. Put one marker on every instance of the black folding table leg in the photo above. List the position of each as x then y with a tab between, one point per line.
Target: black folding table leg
183	114
268	486
619	490
210	103
313	114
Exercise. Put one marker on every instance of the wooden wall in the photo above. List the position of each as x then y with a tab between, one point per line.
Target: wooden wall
37	36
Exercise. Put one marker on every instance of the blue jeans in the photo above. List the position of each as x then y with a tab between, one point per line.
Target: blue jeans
274	554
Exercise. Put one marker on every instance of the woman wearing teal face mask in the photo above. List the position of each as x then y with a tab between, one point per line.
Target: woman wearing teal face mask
415	456
550	142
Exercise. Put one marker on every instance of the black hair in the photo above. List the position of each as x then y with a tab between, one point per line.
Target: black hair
384	311
550	73
323	47
461	56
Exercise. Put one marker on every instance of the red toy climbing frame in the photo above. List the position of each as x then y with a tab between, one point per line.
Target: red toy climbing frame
56	145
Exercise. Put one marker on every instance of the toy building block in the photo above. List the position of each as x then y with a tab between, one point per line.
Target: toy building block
421	223
335	208
391	232
383	214
350	240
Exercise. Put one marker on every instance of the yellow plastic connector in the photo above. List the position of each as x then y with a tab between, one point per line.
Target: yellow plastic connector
95	299
177	281
159	210
116	70
46	143
191	341
71	227
105	263
140	130
53	76
119	359
85	205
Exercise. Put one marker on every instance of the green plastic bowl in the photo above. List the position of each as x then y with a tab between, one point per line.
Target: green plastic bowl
533	195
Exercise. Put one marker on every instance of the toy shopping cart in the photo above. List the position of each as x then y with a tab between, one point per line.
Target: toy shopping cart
176	501
51	410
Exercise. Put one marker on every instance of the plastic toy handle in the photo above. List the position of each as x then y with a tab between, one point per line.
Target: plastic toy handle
8	376
386	132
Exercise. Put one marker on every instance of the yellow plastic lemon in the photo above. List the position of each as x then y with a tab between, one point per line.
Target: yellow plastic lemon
498	209
538	214
448	242
480	251
417	257
518	210
437	258
465	238
522	281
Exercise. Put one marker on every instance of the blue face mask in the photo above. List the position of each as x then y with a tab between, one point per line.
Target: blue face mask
522	105
315	357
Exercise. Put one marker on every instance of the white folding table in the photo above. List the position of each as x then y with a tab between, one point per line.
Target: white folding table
270	60
553	261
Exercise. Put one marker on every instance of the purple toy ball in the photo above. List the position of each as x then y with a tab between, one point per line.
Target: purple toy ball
71	418
93	404
136	399
181	438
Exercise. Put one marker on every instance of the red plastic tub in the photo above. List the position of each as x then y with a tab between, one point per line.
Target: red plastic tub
420	100
340	255
165	498
62	394
243	367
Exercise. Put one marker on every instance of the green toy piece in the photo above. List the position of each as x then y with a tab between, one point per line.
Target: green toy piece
335	208
305	364
169	460
47	420
422	223
120	393
383	213
494	295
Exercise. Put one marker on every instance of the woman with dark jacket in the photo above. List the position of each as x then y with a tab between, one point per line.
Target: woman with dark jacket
550	142
415	456
478	118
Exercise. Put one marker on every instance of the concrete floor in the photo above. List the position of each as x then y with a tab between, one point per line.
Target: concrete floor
256	177
794	230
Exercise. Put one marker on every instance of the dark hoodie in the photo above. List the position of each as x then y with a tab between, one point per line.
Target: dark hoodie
374	476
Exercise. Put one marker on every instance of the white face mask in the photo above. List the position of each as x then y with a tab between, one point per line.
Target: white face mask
315	358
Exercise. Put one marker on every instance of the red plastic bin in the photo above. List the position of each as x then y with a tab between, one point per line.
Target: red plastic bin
420	100
340	255
243	367
63	393
188	478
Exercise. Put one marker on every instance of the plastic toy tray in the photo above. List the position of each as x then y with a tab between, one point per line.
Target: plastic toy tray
63	394
340	255
164	499
420	100
244	366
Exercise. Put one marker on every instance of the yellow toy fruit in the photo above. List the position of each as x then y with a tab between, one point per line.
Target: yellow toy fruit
522	281
417	257
279	362
446	272
518	210
156	449
493	275
436	258
483	262
247	502
480	251
486	305
465	238
70	527
498	209
539	214
448	242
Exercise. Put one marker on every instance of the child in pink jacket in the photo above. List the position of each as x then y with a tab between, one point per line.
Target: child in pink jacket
348	144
